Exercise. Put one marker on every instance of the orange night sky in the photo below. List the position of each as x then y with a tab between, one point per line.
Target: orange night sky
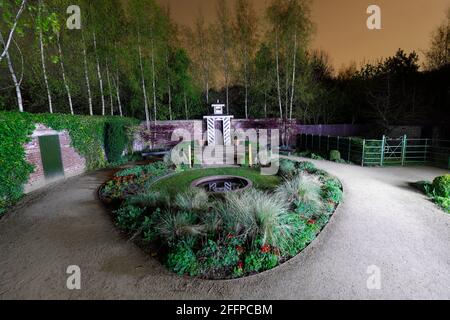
341	25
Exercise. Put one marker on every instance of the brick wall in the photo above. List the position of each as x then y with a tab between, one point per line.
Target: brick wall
160	133
73	163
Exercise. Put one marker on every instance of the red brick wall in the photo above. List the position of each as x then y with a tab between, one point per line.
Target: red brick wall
73	163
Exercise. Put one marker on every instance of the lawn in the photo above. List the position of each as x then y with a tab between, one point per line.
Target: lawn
180	182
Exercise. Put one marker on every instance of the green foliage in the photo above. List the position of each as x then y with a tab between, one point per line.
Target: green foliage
441	186
257	261
216	257
86	133
287	168
307	166
136	171
332	190
128	217
182	259
335	155
148	200
116	139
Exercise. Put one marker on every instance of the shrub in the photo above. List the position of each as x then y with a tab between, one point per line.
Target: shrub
192	199
218	258
148	200
180	225
335	155
257	261
441	186
116	139
149	225
287	168
136	171
331	190
182	259
307	166
128	218
255	214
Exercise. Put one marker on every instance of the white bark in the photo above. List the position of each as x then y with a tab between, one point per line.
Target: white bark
14	77
86	75
278	74
64	74
144	90
44	69
154	81
293	76
100	79
246	83
169	86
11	32
108	79
117	84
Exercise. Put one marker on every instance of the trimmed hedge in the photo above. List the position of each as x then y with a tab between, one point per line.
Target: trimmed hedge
86	132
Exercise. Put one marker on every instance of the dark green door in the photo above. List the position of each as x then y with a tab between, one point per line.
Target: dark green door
51	156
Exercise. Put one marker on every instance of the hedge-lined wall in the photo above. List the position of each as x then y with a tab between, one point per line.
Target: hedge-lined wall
86	132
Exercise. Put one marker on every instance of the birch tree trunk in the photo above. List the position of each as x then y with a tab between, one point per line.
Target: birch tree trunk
44	69
277	58
99	73
13	76
169	85
293	76
108	79
66	85
119	102
246	83
144	90
154	81
11	32
86	75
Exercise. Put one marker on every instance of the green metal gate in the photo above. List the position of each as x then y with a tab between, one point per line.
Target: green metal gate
51	156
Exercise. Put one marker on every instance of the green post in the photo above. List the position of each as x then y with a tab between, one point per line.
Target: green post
363	152
312	143
383	144
349	148
337	144
320	139
425	153
328	144
404	141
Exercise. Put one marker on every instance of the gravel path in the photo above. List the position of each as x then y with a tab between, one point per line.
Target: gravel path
382	222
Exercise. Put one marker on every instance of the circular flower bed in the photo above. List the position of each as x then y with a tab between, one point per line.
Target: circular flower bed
222	235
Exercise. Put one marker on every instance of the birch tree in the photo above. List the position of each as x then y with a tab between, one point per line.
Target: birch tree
43	25
66	84
13	76
245	30
5	6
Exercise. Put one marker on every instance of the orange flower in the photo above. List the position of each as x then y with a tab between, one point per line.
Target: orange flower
265	248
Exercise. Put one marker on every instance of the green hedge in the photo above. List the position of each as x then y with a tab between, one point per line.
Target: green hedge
86	132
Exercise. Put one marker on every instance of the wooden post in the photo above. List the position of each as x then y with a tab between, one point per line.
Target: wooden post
404	141
383	144
363	152
190	156
349	148
250	160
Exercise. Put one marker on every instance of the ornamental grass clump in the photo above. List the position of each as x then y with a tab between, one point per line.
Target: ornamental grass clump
193	199
255	214
180	225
